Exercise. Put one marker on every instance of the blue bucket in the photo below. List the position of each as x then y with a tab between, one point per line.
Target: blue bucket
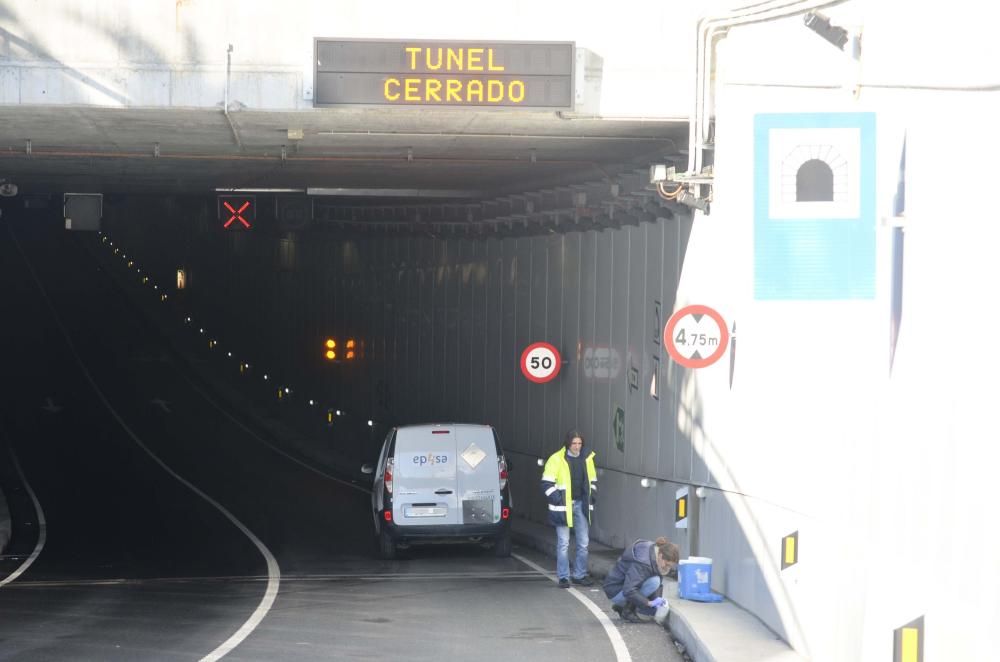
694	577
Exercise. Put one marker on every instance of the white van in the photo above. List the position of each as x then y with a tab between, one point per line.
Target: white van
444	482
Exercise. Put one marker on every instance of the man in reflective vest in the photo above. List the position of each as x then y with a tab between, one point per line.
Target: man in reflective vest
569	482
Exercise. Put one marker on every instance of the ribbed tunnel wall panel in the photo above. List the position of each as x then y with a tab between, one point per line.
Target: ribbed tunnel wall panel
443	323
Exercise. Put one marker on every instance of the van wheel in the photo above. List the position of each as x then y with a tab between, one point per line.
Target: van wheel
386	545
503	545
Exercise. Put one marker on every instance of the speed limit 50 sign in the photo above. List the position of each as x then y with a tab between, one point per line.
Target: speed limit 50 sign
540	362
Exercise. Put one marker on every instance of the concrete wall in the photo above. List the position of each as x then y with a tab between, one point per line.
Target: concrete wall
443	324
872	445
167	53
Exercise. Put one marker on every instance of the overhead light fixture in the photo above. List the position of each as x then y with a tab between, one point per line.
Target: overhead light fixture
821	25
396	192
260	190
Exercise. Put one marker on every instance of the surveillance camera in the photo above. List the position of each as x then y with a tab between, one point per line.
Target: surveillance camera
661	172
691	200
821	25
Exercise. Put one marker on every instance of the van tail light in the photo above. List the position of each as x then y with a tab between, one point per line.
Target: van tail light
387	515
505	513
388	475
503	472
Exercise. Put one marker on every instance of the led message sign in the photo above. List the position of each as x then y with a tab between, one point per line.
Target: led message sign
535	75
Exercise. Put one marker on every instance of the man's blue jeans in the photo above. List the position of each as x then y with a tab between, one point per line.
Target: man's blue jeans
648	588
581	529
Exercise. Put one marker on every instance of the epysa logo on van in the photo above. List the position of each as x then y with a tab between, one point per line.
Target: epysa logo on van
430	459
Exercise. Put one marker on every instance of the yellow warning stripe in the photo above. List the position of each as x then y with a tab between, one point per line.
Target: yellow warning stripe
909	645
789	550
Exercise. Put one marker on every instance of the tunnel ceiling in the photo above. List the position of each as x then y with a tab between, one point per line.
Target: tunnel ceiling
373	153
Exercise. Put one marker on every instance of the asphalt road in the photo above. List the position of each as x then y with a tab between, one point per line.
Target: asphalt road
150	523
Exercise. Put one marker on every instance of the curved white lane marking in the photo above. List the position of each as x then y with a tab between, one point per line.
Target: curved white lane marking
273	572
41	524
617	643
287	579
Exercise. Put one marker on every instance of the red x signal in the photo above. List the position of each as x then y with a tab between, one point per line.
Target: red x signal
236	214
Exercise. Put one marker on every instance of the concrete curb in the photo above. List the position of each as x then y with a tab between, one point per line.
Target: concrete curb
541	537
681	628
708	632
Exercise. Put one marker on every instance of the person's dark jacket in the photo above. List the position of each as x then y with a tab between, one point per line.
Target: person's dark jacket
636	564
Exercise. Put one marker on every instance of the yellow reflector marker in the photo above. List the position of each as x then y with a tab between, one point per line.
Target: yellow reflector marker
908	642
330	354
350	354
331	343
790	550
350	344
681	497
910	646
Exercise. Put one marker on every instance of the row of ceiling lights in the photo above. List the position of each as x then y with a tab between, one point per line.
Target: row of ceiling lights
244	366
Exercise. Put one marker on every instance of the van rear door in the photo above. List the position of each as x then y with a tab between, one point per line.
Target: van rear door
424	475
478	477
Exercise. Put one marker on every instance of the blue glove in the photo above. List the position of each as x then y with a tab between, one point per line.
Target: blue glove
656	603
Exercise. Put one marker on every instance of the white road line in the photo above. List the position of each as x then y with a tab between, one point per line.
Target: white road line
617	643
273	572
285	579
41	524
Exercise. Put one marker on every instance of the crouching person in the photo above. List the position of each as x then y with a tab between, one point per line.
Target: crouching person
635	584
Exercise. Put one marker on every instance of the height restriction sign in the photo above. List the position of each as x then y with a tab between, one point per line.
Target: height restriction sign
540	362
696	336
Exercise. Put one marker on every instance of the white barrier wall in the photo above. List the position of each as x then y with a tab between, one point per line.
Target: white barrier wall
878	449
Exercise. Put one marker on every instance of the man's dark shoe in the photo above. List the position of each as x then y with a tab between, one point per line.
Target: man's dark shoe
583	581
563	583
628	614
617	609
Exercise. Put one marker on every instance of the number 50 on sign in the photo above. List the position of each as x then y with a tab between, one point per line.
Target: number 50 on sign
540	362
